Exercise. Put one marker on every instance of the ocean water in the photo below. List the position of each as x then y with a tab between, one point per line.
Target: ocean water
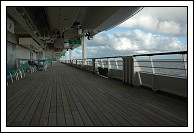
162	67
172	68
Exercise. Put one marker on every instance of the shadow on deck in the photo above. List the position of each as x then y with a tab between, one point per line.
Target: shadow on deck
67	96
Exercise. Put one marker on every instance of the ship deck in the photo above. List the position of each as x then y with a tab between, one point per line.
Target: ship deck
68	96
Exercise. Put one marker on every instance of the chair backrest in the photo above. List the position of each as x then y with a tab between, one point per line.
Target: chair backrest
10	66
24	64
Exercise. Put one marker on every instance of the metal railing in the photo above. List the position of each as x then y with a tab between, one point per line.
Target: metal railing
104	62
157	71
165	65
110	62
169	64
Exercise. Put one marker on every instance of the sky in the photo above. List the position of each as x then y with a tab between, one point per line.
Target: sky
152	30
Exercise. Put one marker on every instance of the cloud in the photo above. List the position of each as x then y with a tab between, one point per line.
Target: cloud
164	20
129	43
152	30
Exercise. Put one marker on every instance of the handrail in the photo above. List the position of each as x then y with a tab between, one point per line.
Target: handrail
150	72
167	70
101	57
118	64
167	53
152	54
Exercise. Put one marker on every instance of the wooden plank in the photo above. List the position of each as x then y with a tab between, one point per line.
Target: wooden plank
60	112
95	120
108	115
66	96
22	114
29	115
68	114
18	98
53	107
53	114
93	107
19	118
36	117
77	118
86	119
154	100
114	121
133	114
60	115
11	118
84	85
138	109
46	108
21	88
108	109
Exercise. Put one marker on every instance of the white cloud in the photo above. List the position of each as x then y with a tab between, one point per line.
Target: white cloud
169	27
157	30
129	43
165	20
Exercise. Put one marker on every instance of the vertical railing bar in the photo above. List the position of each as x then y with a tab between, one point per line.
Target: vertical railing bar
102	64
109	64
93	66
135	62
185	63
116	63
96	63
153	72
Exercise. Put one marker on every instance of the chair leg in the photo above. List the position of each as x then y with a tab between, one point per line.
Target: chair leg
21	74
17	78
24	74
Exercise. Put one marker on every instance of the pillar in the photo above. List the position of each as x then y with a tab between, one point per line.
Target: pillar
128	70
70	55
93	65
84	54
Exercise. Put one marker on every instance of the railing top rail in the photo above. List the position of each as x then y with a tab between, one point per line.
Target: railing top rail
153	54
101	57
167	53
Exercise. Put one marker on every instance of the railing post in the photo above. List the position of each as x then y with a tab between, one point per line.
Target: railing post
125	70
17	62
102	64
185	63
109	67
116	63
136	73
76	63
93	65
97	64
128	70
70	56
153	72
84	55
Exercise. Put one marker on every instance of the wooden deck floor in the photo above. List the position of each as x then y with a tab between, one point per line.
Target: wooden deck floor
67	96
